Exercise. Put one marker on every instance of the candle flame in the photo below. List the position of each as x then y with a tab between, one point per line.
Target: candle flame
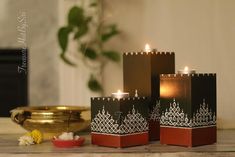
147	48
119	91
119	94
186	69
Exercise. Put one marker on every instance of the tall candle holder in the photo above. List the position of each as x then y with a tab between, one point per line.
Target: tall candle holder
188	109
141	71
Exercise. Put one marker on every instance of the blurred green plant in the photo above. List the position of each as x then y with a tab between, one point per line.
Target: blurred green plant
91	34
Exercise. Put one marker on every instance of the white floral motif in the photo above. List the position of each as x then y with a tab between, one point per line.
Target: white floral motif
132	123
176	116
204	116
104	122
155	113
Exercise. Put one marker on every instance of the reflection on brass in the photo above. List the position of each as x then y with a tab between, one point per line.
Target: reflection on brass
52	120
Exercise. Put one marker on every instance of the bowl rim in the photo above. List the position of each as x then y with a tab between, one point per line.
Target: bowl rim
74	140
58	108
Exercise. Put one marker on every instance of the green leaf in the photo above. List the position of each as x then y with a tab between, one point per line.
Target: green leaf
112	55
76	16
63	35
94	85
66	60
90	53
94	4
83	28
88	19
82	31
112	31
82	48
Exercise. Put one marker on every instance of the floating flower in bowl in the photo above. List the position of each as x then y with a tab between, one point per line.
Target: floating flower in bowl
68	139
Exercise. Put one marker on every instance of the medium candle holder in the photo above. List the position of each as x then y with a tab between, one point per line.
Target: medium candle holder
188	109
119	122
141	72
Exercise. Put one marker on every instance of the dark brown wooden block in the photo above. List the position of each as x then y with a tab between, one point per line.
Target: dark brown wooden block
141	72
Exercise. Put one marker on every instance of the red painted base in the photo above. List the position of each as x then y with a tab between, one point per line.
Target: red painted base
154	130
187	136
110	140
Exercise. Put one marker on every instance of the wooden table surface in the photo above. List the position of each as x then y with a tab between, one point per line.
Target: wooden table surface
224	147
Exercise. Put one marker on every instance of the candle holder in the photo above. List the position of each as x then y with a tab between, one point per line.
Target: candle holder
141	71
119	122
188	109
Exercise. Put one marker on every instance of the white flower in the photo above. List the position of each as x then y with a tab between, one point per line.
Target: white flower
68	136
76	137
25	140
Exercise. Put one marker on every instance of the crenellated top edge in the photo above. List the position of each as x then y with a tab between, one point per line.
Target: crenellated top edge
148	53
117	99
193	75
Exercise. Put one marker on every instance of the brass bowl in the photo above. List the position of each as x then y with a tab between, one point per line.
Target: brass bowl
52	120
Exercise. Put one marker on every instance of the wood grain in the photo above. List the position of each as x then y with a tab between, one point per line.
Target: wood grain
225	147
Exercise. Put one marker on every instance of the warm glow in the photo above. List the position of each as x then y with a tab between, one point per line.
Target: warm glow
147	48
120	94
167	91
61	108
47	113
186	69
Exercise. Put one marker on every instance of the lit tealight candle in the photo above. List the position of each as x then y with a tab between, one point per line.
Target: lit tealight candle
186	70
120	94
147	48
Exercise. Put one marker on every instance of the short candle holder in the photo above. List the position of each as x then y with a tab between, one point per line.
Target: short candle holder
119	122
188	109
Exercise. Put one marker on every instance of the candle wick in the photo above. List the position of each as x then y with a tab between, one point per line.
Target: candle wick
136	93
